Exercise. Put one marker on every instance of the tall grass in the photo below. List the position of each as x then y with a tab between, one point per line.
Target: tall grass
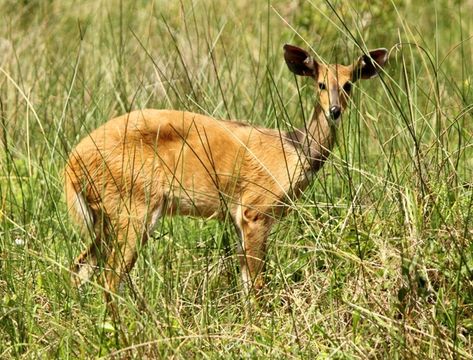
375	261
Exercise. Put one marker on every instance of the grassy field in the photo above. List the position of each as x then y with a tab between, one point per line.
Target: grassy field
376	259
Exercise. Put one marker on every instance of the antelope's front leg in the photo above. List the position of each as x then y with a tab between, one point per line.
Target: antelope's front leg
254	228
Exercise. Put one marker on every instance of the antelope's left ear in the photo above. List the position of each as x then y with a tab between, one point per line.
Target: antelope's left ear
368	65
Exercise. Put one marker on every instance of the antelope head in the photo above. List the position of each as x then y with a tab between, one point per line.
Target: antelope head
334	81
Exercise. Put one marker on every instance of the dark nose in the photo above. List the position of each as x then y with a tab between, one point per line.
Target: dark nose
335	112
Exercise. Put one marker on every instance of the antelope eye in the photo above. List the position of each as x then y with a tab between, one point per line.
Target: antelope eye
347	87
322	86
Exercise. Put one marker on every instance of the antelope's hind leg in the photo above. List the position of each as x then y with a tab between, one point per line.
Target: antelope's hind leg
254	228
132	232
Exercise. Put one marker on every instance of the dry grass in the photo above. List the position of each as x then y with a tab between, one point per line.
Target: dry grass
374	262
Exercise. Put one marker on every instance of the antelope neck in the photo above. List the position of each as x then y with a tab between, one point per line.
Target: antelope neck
315	140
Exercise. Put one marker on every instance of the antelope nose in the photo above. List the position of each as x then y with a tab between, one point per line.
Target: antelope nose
335	112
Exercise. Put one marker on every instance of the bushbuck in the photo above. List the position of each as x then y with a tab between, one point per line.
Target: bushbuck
136	168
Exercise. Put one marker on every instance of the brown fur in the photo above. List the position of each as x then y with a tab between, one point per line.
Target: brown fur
149	163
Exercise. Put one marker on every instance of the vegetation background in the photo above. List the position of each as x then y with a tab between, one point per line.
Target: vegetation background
375	261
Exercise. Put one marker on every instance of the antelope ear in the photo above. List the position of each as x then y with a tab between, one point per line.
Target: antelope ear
368	65
299	61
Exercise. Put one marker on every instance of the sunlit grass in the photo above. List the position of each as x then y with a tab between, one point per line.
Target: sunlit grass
374	261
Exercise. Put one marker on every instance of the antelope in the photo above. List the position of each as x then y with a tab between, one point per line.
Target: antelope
136	168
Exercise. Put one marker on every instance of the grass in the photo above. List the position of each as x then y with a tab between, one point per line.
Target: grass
375	261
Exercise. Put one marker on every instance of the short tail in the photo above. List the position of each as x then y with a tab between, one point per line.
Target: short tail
85	265
77	204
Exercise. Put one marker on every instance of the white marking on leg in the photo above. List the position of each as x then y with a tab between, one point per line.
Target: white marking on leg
241	251
83	275
155	216
238	222
246	280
